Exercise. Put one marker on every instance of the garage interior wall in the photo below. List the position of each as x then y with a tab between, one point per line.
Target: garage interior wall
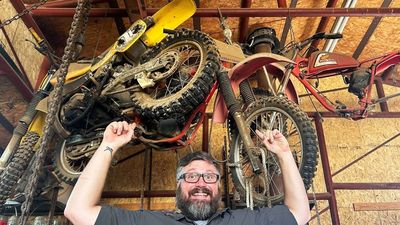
346	140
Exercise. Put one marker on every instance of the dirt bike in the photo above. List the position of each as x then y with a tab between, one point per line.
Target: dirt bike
359	76
163	83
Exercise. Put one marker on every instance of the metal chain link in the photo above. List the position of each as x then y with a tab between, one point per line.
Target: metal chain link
82	7
23	13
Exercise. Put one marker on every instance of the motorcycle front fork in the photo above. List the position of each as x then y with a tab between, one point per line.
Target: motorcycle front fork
236	112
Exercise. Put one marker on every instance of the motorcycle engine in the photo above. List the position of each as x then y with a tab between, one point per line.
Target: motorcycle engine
78	113
358	81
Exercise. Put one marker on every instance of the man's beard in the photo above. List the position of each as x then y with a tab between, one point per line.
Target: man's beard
197	209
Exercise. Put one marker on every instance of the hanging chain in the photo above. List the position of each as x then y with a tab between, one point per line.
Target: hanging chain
23	13
80	15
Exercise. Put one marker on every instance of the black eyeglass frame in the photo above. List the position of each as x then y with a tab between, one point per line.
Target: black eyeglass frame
183	177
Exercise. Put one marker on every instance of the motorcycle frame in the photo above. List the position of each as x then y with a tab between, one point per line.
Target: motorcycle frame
240	72
168	17
379	65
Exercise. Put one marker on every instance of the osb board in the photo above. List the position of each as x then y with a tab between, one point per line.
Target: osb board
347	141
378	206
12	106
18	33
135	203
102	33
350	217
127	176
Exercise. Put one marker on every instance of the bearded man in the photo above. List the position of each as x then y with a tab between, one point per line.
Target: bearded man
197	197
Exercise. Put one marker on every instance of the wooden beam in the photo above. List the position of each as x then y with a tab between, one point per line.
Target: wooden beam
196	19
21	68
322	26
6	123
370	31
141	5
11	71
118	20
376	206
244	22
288	24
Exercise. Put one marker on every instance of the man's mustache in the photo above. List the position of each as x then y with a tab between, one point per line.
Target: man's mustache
200	190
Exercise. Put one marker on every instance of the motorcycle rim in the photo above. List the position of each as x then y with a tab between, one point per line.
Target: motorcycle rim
298	130
186	87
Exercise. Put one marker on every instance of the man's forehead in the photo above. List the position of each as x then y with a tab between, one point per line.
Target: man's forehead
200	165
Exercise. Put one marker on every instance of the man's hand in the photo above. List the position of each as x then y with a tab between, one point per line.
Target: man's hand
118	134
295	194
274	141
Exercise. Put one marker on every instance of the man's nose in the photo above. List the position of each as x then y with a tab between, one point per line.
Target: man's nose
201	182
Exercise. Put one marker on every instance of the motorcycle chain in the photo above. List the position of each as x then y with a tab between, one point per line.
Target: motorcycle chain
82	11
23	13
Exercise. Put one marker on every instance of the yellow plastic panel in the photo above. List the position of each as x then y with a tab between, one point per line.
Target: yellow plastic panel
168	17
38	123
72	75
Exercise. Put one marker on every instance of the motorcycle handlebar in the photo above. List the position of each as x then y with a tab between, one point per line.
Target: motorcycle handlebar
333	36
322	35
317	36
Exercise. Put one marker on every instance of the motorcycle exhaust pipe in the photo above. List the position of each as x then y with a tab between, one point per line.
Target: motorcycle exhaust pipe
21	128
237	114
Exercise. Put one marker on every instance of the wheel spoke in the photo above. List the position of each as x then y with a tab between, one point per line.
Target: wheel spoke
281	114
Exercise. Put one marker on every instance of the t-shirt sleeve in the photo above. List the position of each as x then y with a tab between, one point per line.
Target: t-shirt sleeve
276	215
111	215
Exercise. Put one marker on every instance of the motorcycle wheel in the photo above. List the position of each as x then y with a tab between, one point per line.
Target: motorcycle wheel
188	86
296	127
17	166
66	167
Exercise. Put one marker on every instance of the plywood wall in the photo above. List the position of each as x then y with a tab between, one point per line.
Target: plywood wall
12	106
346	140
30	59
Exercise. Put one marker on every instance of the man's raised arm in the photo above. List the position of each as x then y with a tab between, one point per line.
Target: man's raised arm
295	194
83	204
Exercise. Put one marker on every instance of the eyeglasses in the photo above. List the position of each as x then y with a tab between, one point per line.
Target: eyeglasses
209	178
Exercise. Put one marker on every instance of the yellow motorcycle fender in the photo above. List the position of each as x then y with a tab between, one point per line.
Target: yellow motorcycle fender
124	42
168	17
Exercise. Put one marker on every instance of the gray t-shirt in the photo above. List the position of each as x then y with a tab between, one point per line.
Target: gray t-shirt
200	222
279	214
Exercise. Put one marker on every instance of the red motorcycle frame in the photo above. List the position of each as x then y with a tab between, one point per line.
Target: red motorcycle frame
359	75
